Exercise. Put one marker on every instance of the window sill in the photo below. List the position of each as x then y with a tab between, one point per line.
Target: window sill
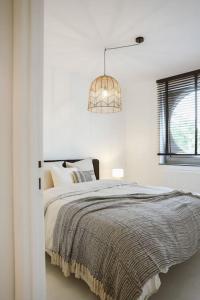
182	168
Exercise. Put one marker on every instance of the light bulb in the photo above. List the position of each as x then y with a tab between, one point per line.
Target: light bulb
104	93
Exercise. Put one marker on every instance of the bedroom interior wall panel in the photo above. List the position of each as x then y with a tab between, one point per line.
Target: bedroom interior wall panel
6	209
70	131
142	146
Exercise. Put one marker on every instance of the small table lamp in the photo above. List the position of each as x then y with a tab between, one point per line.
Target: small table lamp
118	173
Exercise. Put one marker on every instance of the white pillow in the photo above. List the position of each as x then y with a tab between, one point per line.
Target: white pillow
83	165
47	178
62	176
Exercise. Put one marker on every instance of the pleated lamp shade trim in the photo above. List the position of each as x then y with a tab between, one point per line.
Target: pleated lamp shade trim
105	95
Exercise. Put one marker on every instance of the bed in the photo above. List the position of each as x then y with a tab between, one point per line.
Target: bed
119	236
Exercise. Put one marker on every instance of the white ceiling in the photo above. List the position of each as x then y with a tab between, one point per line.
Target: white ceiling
76	32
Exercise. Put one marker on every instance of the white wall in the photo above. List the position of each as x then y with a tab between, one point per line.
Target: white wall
6	215
70	131
129	138
142	145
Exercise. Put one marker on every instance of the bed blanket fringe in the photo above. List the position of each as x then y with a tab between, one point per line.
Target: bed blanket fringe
80	272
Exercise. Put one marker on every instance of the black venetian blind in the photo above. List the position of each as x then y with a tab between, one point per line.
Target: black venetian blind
179	118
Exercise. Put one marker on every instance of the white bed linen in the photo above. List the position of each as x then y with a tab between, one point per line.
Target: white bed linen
80	190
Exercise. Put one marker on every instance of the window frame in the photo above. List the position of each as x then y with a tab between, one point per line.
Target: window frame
167	158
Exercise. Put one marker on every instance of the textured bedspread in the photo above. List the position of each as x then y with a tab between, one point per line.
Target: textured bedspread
116	242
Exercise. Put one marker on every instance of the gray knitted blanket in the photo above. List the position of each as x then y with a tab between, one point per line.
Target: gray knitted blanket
116	244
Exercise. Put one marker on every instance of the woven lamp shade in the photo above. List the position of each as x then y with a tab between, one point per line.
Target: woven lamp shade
105	95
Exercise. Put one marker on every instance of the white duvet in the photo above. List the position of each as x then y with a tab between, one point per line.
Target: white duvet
96	188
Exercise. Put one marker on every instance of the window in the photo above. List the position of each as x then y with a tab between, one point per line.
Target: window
179	119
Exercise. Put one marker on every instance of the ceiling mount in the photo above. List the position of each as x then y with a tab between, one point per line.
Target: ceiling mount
139	39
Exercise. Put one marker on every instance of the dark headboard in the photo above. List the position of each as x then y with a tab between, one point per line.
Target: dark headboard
94	161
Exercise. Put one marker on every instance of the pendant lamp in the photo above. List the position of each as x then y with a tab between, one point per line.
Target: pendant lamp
105	91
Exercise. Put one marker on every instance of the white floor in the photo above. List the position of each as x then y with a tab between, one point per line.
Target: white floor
181	283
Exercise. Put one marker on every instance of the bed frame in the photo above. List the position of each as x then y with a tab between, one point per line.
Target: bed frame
94	161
